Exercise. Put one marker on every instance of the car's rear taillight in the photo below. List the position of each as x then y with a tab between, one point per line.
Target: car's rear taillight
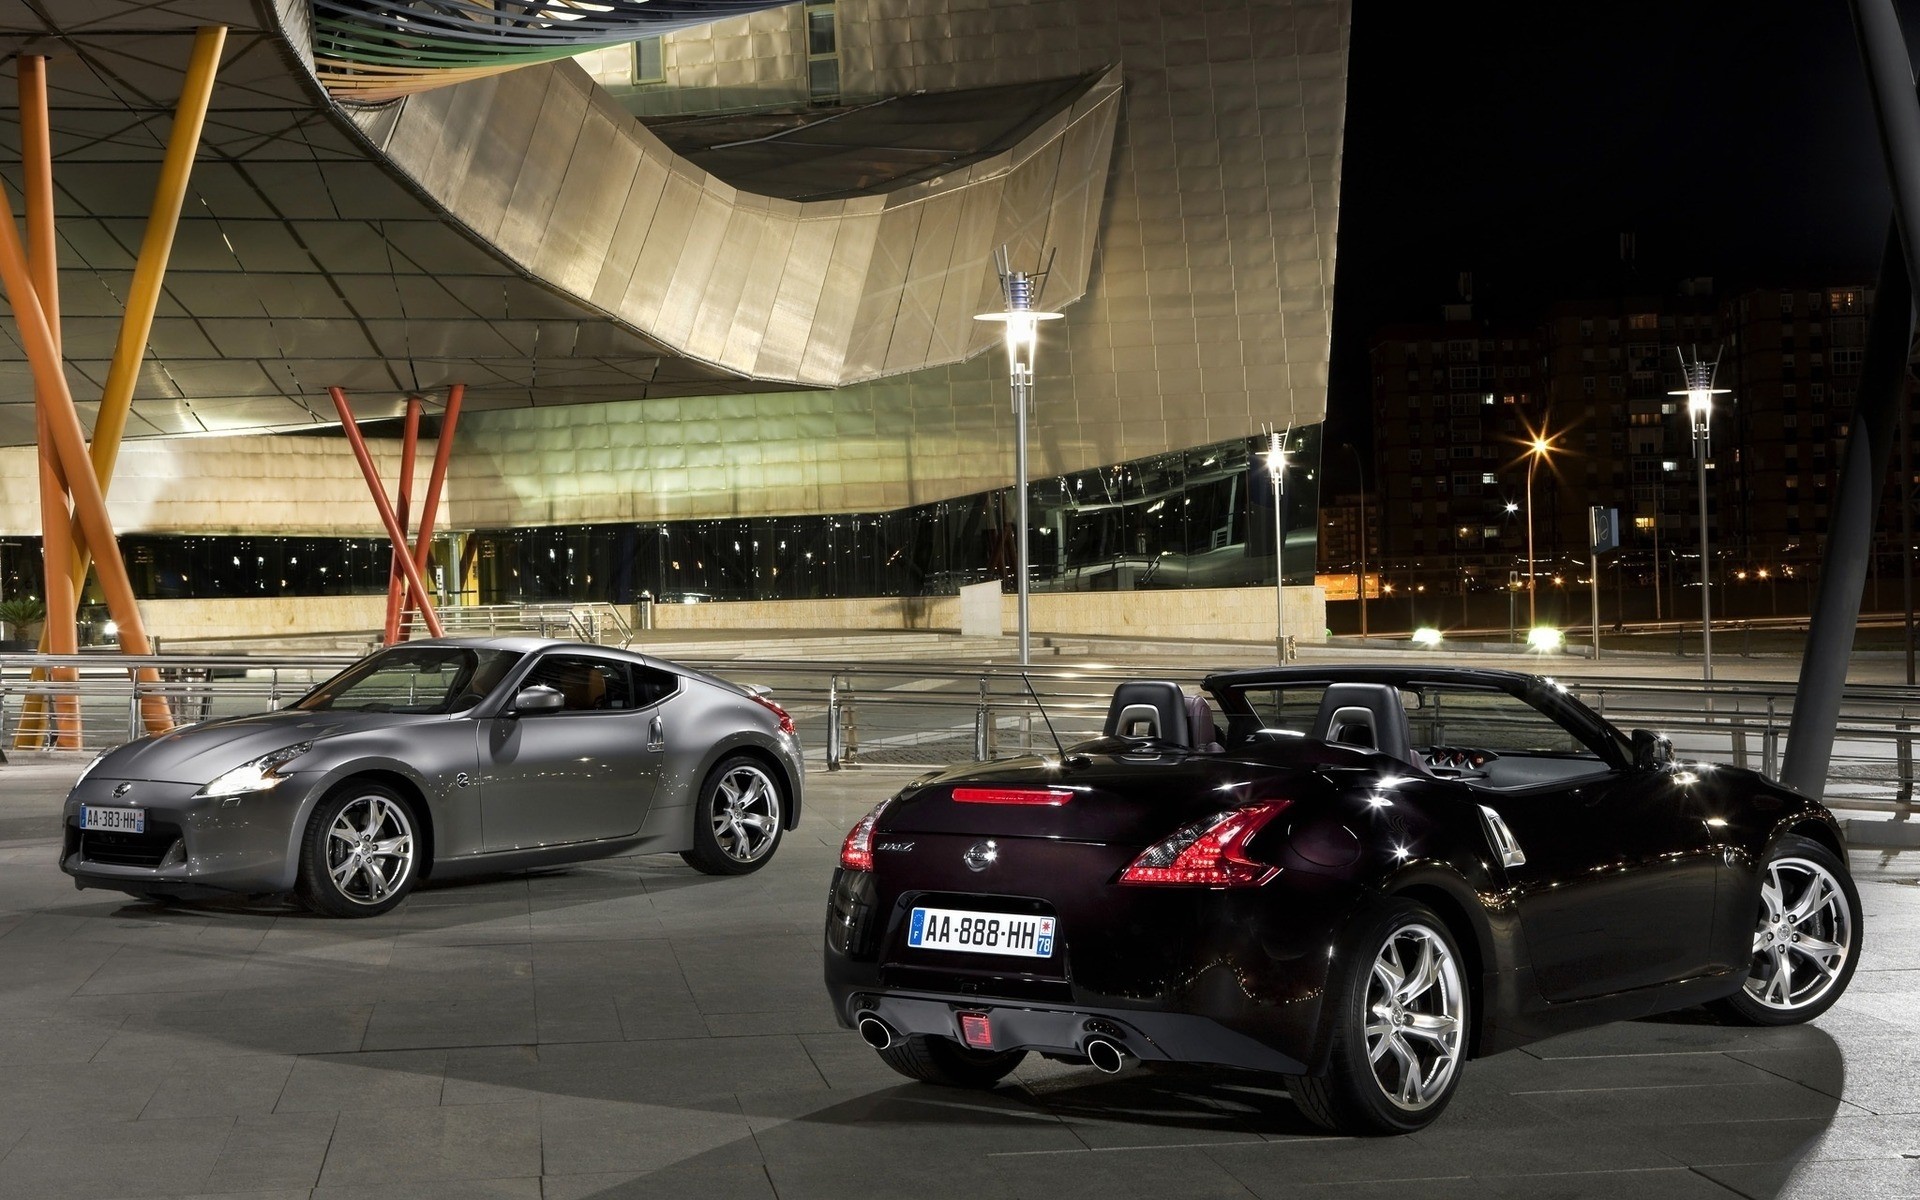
1047	797
856	853
786	722
1210	853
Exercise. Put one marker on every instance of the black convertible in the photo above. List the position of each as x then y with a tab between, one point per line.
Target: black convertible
1357	878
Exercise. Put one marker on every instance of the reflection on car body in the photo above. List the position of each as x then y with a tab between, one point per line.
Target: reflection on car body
440	758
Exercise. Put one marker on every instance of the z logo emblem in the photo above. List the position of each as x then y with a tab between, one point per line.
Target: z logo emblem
122	789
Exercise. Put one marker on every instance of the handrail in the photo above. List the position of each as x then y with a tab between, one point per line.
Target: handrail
917	713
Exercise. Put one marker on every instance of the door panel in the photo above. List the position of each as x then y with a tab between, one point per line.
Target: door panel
583	773
1618	888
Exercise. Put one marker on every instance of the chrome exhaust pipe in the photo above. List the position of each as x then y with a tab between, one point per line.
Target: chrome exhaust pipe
875	1032
1109	1058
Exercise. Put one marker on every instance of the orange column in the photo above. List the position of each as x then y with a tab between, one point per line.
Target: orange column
399	539
56	545
70	444
403	500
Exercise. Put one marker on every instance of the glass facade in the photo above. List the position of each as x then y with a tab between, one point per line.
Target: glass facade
1197	518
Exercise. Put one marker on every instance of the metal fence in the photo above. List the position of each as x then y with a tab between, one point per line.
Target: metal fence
929	715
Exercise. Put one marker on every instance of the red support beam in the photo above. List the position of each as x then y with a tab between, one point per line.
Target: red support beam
387	517
403	501
442	455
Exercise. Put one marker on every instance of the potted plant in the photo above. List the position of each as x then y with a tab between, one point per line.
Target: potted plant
20	618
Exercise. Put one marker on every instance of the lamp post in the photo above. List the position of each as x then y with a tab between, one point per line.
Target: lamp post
1536	451
1276	456
1361	474
1700	392
1019	289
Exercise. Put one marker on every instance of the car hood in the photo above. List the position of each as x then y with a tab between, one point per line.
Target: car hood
201	753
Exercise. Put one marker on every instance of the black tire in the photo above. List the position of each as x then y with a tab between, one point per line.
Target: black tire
737	819
946	1062
1427	1029
1833	923
366	875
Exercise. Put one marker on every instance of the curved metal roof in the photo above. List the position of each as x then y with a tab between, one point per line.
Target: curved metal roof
520	233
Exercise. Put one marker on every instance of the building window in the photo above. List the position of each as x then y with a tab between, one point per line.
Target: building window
1786	304
1843	300
649	64
1489	477
823	54
1643	321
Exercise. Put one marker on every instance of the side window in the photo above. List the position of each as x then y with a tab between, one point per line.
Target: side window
651	686
1487	719
589	684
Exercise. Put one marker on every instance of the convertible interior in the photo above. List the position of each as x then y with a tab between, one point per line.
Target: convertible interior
1370	716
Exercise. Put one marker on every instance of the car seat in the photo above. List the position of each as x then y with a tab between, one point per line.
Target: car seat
1369	715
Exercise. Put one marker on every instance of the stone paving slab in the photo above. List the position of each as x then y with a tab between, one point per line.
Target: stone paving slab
630	1029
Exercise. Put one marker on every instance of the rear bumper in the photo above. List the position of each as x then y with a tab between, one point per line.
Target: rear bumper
1191	976
1148	1036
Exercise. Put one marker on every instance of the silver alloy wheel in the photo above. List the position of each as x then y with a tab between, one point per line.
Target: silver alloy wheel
370	849
1804	935
746	813
1416	1017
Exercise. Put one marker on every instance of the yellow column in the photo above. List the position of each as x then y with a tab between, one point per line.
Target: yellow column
143	296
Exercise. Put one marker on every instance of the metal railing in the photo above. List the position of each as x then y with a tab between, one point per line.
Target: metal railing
918	714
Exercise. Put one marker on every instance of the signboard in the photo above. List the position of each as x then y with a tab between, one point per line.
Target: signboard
1603	524
1347	586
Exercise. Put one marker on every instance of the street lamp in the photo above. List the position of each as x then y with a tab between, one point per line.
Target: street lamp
1276	456
1538	449
1361	474
1700	392
1020	289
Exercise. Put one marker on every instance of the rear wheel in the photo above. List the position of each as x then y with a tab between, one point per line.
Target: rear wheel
361	851
1400	1027
949	1064
1806	938
736	824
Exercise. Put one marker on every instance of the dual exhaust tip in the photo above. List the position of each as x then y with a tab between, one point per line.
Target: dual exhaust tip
1108	1056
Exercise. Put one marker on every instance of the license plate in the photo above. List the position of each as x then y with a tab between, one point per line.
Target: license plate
113	820
981	933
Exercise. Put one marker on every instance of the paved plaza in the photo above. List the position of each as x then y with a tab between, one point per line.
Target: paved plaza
632	1029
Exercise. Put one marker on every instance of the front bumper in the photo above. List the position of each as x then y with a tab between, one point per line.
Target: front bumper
192	844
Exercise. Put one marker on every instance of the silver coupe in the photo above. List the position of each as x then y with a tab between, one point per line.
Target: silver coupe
442	758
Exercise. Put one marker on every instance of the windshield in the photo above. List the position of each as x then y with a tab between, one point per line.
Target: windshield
413	679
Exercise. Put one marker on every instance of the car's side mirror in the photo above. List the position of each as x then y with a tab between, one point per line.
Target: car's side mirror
538	698
1651	751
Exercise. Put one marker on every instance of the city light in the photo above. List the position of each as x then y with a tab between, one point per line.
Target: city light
1427	636
1544	638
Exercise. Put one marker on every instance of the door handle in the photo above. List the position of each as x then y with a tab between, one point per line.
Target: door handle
656	735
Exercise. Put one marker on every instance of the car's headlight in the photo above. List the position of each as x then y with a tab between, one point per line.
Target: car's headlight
88	769
260	775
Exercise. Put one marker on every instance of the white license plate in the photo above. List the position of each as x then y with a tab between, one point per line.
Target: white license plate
113	820
981	933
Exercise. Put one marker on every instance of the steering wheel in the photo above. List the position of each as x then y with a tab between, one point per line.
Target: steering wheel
1457	762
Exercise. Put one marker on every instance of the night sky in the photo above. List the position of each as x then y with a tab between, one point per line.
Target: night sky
1518	141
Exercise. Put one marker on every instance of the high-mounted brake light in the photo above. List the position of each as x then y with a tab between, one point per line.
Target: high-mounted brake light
786	722
1049	797
1210	853
856	853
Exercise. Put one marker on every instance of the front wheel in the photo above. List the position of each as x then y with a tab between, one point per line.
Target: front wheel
1400	1027
1806	939
360	856
948	1063
736	823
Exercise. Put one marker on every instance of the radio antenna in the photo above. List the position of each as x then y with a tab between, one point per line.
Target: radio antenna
1043	716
